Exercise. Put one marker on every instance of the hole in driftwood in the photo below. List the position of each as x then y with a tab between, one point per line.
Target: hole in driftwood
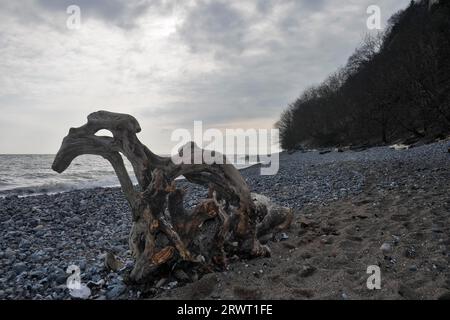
104	133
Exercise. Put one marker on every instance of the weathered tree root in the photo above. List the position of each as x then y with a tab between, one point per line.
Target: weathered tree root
164	234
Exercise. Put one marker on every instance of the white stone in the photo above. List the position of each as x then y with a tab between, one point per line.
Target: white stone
386	247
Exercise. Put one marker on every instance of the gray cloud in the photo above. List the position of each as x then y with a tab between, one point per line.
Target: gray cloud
117	12
214	25
220	26
223	62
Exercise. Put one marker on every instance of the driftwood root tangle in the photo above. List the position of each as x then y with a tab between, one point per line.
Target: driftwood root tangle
166	236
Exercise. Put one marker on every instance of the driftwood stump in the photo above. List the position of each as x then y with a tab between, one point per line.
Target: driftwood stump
165	236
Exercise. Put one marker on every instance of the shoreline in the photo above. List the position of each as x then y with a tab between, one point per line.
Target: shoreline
28	191
23	192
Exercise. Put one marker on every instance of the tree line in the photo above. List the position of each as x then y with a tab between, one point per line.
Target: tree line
396	85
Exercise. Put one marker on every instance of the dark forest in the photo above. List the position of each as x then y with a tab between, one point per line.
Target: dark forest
395	87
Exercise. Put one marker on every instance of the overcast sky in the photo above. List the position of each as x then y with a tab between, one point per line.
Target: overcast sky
228	63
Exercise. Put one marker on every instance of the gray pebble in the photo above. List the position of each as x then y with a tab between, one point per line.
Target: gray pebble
19	268
115	291
386	248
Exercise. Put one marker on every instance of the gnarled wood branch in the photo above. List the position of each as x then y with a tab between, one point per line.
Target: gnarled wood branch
164	232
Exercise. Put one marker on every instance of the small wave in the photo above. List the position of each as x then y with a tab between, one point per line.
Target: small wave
58	187
36	190
36	175
25	175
